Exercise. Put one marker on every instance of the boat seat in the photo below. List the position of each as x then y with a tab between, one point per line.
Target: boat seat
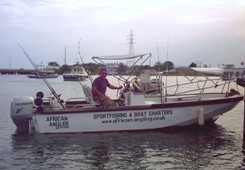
88	95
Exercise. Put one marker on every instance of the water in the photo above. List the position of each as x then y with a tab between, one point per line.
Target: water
216	147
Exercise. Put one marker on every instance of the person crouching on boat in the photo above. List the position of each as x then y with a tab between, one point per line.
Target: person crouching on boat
99	86
137	86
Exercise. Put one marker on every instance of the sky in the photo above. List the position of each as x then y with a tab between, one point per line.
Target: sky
210	32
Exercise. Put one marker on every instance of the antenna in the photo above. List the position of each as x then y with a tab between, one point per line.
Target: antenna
159	69
166	89
89	76
158	58
167	52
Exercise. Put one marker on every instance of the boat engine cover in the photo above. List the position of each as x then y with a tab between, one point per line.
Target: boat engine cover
22	108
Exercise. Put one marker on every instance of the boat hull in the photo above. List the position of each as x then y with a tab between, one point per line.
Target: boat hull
47	76
74	77
131	118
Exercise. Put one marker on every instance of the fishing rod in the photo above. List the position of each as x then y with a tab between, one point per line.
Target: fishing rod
45	81
89	76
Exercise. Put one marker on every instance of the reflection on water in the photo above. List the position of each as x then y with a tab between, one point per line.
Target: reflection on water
216	147
183	149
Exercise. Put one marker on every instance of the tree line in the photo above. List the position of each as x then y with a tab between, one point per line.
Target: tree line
123	69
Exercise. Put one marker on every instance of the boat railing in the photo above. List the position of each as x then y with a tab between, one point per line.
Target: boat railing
200	86
193	97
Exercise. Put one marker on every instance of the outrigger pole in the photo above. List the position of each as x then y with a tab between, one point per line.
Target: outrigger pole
45	81
159	70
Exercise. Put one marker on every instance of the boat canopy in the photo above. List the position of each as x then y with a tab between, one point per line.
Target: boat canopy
120	57
138	59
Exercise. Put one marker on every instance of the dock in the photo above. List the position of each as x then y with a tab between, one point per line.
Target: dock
22	71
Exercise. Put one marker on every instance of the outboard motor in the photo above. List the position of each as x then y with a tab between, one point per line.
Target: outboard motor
22	109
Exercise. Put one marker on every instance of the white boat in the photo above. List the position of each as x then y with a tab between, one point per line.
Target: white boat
43	73
227	72
39	76
172	106
209	70
77	73
112	68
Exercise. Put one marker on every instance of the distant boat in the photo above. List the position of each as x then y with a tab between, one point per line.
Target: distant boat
77	73
210	70
42	72
38	76
112	68
228	72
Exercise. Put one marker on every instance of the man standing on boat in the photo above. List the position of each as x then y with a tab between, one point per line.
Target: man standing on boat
99	86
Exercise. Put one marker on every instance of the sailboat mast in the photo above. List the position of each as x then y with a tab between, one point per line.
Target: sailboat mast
65	56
